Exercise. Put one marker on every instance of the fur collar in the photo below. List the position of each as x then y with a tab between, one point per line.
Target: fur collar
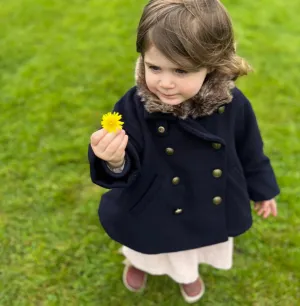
215	91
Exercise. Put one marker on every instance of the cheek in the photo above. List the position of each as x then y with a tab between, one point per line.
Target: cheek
192	87
150	81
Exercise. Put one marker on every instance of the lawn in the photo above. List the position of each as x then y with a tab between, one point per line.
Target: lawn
62	65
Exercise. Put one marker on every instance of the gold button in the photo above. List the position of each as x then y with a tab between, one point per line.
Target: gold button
217	173
170	151
221	109
161	129
216	145
175	180
217	200
178	211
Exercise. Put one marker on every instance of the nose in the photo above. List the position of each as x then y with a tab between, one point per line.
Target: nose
166	82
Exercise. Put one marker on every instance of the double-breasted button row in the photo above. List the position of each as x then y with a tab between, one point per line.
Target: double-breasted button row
175	181
216	201
217	173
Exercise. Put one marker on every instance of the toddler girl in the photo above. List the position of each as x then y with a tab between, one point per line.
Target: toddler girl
190	156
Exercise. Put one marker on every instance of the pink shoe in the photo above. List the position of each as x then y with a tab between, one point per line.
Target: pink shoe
134	279
193	292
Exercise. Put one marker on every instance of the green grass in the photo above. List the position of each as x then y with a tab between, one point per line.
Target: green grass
64	63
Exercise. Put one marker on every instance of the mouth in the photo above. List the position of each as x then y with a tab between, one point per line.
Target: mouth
168	96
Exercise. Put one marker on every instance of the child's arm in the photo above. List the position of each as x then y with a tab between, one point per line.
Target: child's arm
107	150
261	181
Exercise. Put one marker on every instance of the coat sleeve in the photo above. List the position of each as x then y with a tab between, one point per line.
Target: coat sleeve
100	174
261	180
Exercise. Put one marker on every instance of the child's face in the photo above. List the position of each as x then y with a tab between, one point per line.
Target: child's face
170	83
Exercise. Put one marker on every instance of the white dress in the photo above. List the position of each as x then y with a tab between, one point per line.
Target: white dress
182	266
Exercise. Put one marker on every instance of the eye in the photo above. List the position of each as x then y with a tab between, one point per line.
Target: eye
180	71
154	68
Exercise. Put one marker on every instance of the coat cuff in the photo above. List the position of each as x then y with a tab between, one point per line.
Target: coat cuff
102	176
120	171
262	186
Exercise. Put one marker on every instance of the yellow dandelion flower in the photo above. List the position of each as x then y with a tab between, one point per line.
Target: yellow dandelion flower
111	122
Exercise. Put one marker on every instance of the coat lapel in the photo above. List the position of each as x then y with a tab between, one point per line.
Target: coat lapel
194	127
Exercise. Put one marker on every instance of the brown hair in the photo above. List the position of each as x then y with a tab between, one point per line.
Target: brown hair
192	34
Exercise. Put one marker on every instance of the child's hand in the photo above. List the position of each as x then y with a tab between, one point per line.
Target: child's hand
110	146
266	208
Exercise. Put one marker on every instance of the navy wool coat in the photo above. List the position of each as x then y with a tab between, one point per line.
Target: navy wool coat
187	183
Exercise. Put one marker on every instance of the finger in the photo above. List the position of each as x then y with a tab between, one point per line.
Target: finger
256	206
267	213
97	136
120	153
106	141
124	143
274	210
112	148
261	210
